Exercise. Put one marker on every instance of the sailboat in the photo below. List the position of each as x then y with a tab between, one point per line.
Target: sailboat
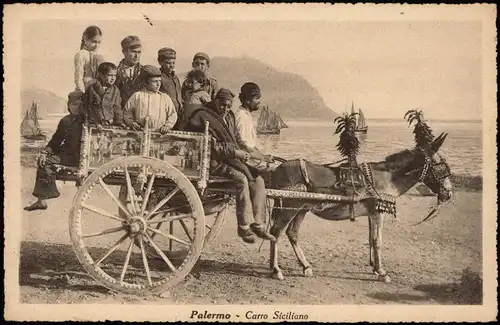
270	122
30	128
361	126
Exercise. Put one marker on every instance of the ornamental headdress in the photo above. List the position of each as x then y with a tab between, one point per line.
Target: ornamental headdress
348	144
424	137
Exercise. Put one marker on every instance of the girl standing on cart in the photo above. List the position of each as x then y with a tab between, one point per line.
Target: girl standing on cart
87	60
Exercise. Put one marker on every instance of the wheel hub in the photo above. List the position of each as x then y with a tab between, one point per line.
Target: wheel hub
136	225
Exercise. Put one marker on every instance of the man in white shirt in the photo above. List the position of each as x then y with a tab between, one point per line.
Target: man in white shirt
150	102
250	101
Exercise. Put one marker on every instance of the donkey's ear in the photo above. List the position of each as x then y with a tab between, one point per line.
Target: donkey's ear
438	142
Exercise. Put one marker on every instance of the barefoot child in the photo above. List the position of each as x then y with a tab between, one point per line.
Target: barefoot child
87	60
103	98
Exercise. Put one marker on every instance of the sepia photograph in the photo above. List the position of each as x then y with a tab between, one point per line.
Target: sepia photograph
244	163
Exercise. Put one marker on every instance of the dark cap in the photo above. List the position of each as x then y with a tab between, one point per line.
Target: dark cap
166	53
75	95
202	55
250	89
149	71
131	42
224	93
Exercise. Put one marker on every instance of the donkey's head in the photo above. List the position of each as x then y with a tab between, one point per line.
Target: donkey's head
430	166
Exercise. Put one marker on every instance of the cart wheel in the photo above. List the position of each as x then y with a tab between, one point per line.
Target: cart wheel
214	225
117	266
215	210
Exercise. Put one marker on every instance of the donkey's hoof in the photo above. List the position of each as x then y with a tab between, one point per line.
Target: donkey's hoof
278	276
308	272
385	278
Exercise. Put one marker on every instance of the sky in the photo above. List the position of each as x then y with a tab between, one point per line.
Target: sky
384	67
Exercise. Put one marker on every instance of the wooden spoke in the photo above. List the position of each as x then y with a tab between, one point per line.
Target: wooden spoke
145	261
162	202
160	252
171	218
148	193
114	198
130	191
170	209
127	260
101	212
104	232
171	232
169	236
111	250
209	227
186	230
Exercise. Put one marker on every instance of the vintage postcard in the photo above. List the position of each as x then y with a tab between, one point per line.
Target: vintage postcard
250	163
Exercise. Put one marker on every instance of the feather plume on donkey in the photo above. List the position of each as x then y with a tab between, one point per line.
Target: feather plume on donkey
373	188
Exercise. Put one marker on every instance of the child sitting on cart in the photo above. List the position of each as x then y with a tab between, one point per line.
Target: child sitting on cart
102	98
149	104
63	148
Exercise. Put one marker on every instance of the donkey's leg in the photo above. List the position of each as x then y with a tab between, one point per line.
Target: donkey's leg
370	241
292	233
282	219
377	245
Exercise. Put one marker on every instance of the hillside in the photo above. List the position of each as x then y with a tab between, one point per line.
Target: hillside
48	102
289	94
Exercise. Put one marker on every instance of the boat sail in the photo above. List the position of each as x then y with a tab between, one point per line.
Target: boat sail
30	127
270	122
361	126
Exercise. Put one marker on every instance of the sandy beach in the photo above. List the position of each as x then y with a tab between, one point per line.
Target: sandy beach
426	262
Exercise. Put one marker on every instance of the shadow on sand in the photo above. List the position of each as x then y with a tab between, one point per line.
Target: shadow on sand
52	266
445	294
55	266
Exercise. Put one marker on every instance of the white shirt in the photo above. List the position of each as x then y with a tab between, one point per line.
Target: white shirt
246	129
158	106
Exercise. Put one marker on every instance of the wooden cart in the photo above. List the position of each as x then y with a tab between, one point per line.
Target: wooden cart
146	206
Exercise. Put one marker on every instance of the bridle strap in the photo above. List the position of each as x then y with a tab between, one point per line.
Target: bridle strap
425	169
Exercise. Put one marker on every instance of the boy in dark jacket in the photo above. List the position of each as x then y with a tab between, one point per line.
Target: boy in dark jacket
63	148
103	98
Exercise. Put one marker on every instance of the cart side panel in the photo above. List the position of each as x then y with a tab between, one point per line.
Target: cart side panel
111	144
183	150
189	152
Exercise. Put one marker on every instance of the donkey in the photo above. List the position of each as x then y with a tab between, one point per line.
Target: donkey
386	179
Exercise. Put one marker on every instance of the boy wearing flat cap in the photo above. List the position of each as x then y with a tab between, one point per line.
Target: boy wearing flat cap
229	160
170	83
150	102
63	148
129	68
201	61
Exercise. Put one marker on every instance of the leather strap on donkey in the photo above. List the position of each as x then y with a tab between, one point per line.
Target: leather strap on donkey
383	203
303	170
